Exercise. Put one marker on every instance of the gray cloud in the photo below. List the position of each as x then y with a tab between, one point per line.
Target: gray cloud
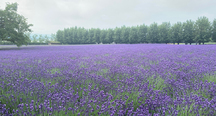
48	16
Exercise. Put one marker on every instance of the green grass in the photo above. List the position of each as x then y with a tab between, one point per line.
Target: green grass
210	43
210	78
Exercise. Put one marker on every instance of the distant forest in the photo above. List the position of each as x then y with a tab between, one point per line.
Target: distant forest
199	31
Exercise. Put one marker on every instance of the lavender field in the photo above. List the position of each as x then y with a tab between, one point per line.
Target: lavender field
139	79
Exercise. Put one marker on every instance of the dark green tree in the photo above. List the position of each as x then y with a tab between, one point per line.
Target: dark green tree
203	30
133	35
153	33
109	36
117	35
102	36
79	35
176	33
60	36
66	39
97	35
188	32
125	34
214	30
164	29
142	33
91	36
75	37
71	32
13	26
84	36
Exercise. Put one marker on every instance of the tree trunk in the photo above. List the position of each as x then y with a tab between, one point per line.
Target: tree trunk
190	43
203	43
178	43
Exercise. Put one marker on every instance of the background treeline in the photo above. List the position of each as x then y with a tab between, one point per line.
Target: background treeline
41	40
36	39
200	31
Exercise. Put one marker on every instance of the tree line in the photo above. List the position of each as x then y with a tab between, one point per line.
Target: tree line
42	39
199	31
15	29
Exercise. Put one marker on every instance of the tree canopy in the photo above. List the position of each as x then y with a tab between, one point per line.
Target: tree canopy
214	30
13	26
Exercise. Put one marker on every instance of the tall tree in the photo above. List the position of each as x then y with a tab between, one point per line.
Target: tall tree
125	34
71	35
203	30
60	36
13	26
117	35
188	32
153	33
176	33
84	36
75	37
164	29
97	35
79	35
133	35
66	36
214	30
109	36
90	36
142	33
103	36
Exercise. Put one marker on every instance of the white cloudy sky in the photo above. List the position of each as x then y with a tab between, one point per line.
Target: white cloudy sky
48	16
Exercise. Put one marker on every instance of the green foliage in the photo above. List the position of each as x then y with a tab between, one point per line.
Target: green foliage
176	33
133	36
117	35
102	36
60	35
97	35
109	36
164	30
13	26
203	30
142	33
153	33
188	32
214	30
124	37
90	36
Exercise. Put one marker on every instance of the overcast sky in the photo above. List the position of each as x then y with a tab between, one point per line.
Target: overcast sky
48	16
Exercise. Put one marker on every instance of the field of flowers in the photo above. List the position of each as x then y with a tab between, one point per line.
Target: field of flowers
139	79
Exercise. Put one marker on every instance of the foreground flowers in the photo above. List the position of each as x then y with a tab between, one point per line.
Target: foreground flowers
108	80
